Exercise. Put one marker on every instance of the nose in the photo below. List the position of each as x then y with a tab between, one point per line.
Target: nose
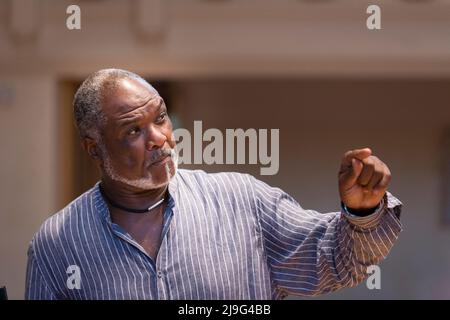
155	138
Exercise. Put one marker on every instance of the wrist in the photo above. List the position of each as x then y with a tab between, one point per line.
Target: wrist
360	212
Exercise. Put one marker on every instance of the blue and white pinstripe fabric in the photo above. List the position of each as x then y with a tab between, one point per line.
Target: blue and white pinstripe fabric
225	236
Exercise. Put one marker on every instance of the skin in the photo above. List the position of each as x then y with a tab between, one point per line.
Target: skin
363	178
137	128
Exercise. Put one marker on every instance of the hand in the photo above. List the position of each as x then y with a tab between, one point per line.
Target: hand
363	179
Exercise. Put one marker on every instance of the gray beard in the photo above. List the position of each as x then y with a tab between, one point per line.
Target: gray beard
147	183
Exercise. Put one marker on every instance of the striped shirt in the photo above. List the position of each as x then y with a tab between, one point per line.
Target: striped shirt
225	236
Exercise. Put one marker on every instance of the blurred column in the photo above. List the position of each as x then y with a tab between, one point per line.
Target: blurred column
150	19
24	19
446	178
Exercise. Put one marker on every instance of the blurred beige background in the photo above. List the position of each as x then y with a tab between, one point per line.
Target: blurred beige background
309	68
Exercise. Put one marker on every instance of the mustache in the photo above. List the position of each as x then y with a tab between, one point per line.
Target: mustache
160	154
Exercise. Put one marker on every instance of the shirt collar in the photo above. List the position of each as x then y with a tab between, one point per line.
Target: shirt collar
103	209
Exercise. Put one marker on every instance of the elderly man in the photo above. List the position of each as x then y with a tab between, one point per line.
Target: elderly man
150	231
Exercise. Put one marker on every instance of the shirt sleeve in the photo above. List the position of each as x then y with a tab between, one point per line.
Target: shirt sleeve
311	253
36	287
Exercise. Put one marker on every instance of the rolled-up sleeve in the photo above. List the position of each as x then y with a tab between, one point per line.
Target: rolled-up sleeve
311	253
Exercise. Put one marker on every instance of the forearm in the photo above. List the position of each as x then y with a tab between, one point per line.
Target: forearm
343	249
370	238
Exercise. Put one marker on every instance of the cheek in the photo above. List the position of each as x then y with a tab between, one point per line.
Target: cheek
129	154
168	132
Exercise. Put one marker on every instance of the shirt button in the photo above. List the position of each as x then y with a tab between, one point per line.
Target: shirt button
160	274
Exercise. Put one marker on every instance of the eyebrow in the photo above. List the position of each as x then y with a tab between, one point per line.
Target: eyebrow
134	119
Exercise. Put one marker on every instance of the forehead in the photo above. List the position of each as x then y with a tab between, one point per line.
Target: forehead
127	95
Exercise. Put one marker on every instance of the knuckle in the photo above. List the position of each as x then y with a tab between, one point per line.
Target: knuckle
386	179
379	173
388	171
370	164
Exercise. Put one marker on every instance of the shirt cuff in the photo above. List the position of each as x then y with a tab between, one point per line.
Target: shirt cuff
370	220
363	212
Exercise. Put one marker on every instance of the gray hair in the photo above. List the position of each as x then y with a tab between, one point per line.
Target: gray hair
89	117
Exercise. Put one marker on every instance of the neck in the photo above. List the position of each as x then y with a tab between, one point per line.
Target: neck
131	197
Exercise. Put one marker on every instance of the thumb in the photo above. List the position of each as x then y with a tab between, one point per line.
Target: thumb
350	175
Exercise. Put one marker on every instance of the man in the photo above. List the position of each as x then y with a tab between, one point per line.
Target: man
150	231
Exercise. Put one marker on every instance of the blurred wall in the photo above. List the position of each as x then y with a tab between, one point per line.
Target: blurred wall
403	121
227	37
333	84
27	171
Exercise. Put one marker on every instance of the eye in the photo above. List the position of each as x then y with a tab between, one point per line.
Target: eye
161	117
134	131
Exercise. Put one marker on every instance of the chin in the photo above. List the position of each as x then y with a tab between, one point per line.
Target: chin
153	177
161	174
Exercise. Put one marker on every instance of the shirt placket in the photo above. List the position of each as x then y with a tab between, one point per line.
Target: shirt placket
159	285
163	288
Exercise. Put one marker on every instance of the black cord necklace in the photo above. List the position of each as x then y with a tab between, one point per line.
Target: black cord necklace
118	206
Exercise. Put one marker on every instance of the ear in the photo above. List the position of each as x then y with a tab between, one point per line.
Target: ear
92	148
